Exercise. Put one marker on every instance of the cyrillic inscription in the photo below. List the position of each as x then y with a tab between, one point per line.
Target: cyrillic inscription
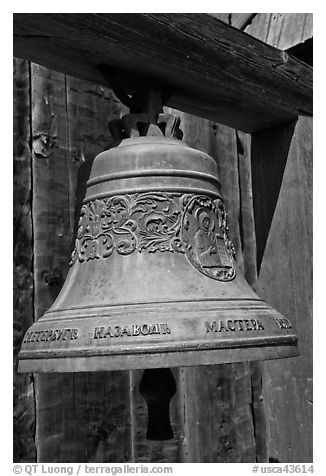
234	325
51	335
284	323
131	331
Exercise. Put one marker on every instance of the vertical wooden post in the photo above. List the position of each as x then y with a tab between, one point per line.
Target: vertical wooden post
249	250
282	187
54	393
24	402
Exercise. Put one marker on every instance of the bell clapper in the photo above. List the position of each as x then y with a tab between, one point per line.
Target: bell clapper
158	386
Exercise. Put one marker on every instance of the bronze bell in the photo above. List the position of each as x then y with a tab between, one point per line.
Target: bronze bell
153	280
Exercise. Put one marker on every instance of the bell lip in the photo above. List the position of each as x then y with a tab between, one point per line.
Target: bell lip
199	335
158	360
160	348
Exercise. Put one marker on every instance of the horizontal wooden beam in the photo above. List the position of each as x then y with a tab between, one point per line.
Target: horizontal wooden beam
213	70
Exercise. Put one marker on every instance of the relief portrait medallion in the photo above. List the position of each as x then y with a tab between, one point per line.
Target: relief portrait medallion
205	238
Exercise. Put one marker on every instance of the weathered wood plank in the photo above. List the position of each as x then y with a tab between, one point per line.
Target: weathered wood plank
281	183
222	16
214	71
102	413
259	410
285	281
268	164
24	401
308	27
241	20
292	30
281	30
218	425
248	243
259	27
275	29
56	433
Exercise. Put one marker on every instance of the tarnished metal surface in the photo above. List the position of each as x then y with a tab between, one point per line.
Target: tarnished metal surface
153	279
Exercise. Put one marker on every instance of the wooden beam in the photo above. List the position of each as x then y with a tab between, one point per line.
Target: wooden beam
214	70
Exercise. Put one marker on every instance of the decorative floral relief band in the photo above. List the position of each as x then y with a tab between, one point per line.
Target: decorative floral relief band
195	225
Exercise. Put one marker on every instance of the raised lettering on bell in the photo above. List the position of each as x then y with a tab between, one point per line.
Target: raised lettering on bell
51	335
234	325
131	331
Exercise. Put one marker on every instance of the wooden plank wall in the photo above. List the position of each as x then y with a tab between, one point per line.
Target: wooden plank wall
217	414
284	218
282	189
282	30
24	401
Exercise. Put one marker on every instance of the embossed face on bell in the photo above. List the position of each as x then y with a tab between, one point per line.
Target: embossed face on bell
205	242
205	222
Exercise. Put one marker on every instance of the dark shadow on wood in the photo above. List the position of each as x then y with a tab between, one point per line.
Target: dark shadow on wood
269	152
303	51
82	177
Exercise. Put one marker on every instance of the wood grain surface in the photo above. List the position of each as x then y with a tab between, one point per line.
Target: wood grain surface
282	191
54	394
285	281
282	30
23	316
211	69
